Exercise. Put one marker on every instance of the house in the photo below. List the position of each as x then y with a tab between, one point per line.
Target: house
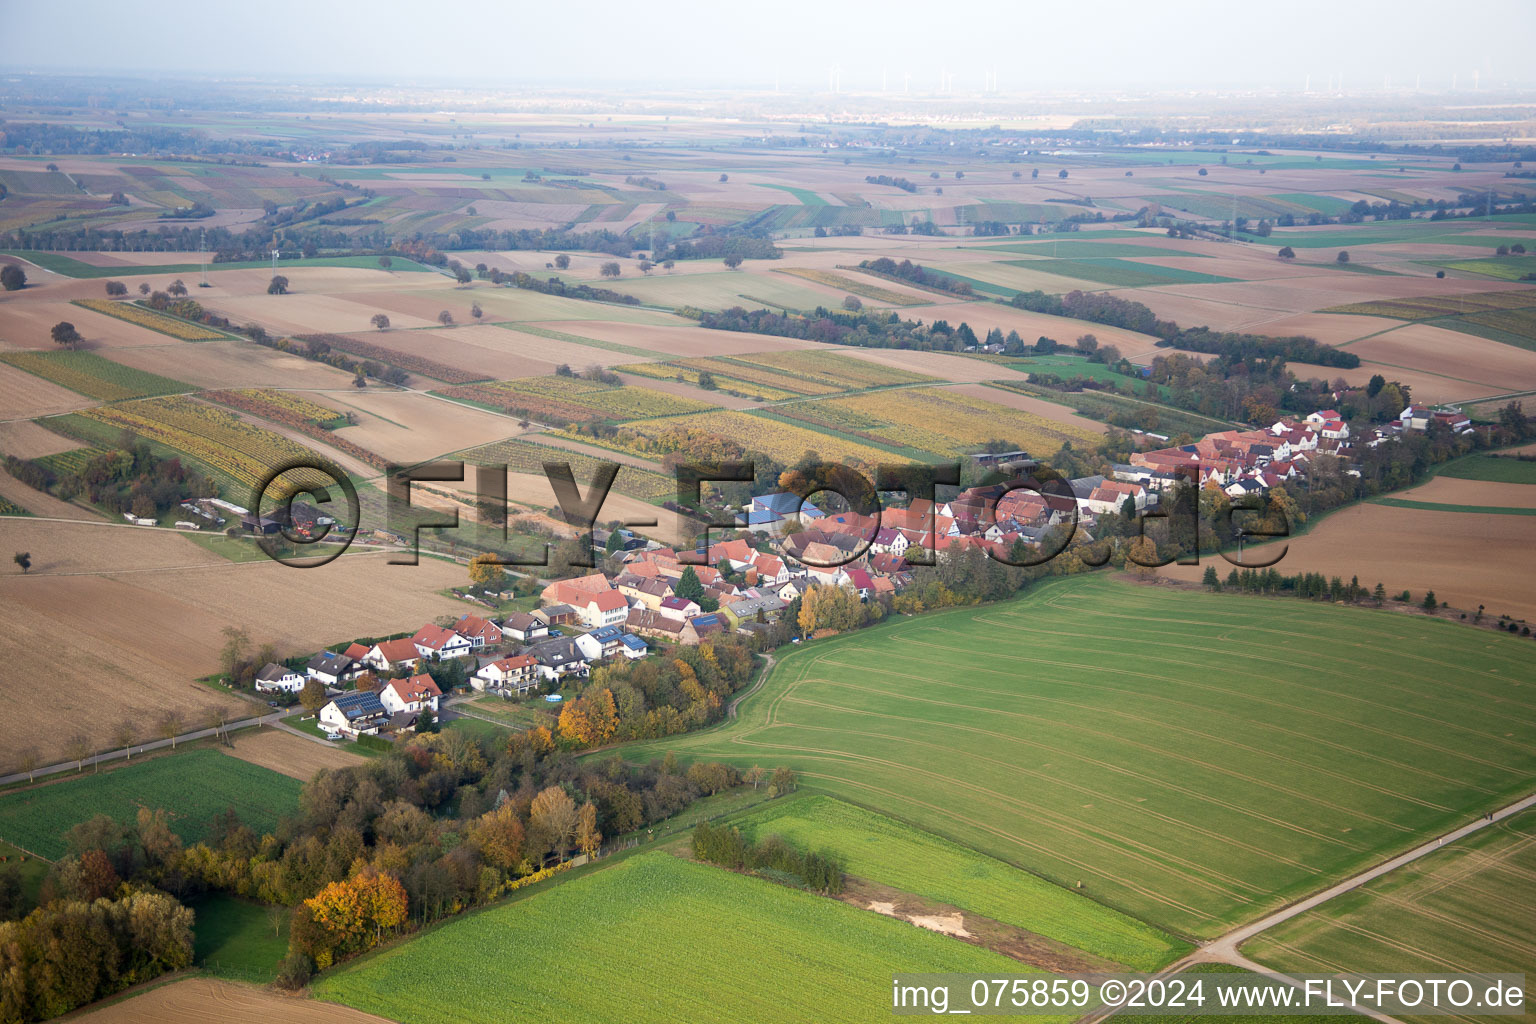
524	628
654	624
479	632
860	581
702	626
275	678
575	592
603	642
360	712
607	608
746	605
556	615
437	642
890	541
518	674
331	668
793	588
559	658
678	608
410	695
392	655
1415	417
632	647
770	569
357	652
647	591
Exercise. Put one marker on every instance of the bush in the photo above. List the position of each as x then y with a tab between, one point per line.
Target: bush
295	971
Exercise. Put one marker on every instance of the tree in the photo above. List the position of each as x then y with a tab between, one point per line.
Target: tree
724	178
667	265
380	321
445	318
122	736
27	759
12	278
385	262
1429	603
732	262
65	336
78	746
279	285
143	288
486	572
1342	257
169	726
462	275
23	559
588	839
177	288
553	813
611	269
498	835
313	696
1203	172
116	289
688	586
646	266
1210	580
475	310
783	781
707	380
562	262
236	644
852	304
1286	253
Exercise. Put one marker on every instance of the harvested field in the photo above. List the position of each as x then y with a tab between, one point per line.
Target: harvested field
1447	490
1465	558
28	324
1062	414
409	427
532	489
315	314
210	1001
685	390
1453	355
295	756
27	440
682	338
233	364
146	608
943	365
38	503
511	305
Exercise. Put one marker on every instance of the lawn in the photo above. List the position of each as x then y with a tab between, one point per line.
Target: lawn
884	850
29	870
235	938
1497	468
480	729
1192	759
193	785
1467	907
653	938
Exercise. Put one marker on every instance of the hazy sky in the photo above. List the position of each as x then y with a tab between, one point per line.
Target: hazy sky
1033	45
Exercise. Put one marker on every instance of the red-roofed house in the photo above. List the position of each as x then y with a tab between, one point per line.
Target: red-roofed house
410	695
357	652
392	655
479	632
606	608
518	674
437	642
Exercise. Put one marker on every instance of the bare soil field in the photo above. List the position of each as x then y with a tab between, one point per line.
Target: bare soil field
943	365
1328	328
683	339
510	305
211	1001
410	427
23	396
1451	354
1447	490
145	609
28	323
310	313
1466	558
1030	404
232	364
38	503
296	756
27	440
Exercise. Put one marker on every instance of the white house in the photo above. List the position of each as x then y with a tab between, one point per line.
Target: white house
479	632
519	674
410	695
275	678
392	655
524	628
330	669
435	641
604	608
353	714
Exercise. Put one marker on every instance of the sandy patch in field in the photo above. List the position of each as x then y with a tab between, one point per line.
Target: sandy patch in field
233	364
684	340
23	396
409	427
1028	403
1452	354
38	503
1448	490
1465	558
295	756
27	440
309	313
146	609
209	1001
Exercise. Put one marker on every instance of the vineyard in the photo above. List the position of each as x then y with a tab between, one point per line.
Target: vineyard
8	508
935	420
1514	321
94	376
221	440
130	313
861	288
774	376
406	361
1431	306
527	457
308	418
689	375
70	463
783	442
574	400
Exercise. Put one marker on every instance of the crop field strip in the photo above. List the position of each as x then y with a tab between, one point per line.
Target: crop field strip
1118	273
1470	903
37	818
863	289
300	414
1430	307
407	361
575	400
94	376
182	330
774	376
785	442
645	920
521	456
1192	804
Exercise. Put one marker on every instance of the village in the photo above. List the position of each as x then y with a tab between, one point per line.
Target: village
654	596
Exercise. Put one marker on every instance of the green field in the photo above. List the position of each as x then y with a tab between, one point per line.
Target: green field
95	376
71	267
1071	249
1193	759
235	938
654	938
1467	907
193	785
1119	273
884	850
1499	469
1436	506
1505	268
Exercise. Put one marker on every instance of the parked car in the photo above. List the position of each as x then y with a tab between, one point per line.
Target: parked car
333	736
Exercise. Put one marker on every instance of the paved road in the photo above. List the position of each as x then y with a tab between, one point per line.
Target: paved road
1226	950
